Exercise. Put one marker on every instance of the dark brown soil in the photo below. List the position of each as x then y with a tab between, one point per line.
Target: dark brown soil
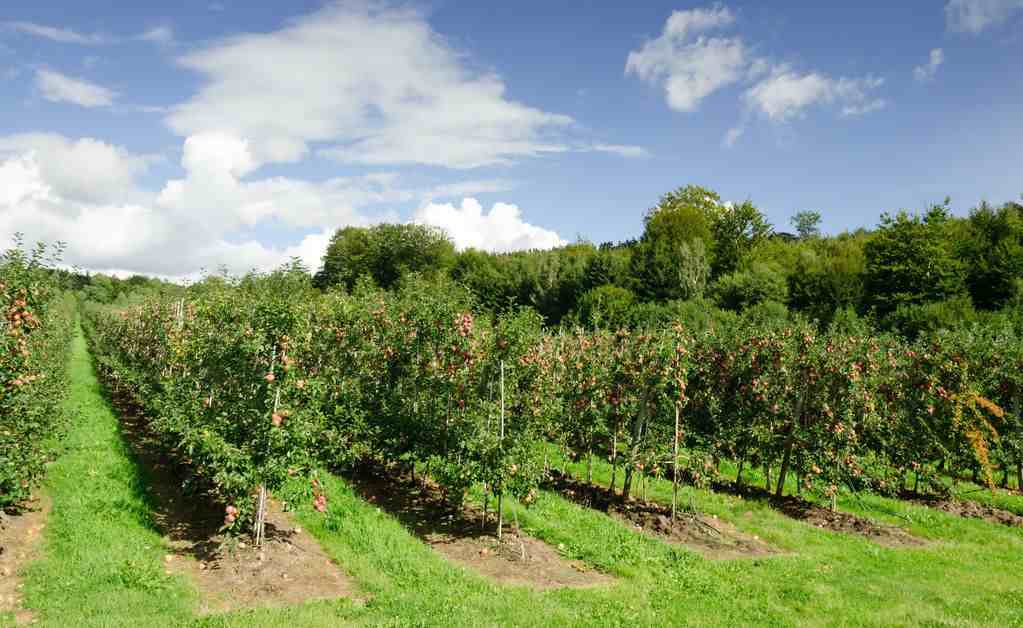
827	519
966	508
459	535
20	540
229	572
708	535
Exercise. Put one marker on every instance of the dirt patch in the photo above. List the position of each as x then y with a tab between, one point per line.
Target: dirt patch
290	568
459	534
229	572
20	541
967	508
708	535
826	519
838	521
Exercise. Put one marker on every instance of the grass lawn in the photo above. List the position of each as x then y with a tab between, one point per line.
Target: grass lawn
102	561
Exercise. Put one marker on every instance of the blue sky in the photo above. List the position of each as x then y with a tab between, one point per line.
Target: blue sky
173	137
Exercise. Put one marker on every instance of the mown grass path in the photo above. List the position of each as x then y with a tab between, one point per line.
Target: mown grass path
102	563
102	557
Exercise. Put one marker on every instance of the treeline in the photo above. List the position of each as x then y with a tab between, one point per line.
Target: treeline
111	290
36	323
699	258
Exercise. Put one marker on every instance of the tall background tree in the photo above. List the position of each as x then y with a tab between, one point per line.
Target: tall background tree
384	253
912	260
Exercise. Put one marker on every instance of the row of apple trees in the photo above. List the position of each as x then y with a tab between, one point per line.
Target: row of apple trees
248	383
36	323
831	410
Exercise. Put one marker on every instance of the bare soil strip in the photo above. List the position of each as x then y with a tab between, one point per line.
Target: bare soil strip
827	519
21	537
229	572
707	535
967	508
459	535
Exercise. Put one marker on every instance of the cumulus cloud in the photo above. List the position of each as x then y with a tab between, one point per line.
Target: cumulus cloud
689	65
926	72
370	84
975	16
501	229
57	87
60	35
85	169
278	97
786	94
170	236
83	192
31	205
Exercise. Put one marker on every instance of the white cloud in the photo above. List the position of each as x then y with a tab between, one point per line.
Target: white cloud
865	107
974	16
311	249
469	188
162	35
926	72
733	135
57	87
786	94
83	192
689	66
82	170
61	35
501	229
98	233
622	150
154	235
375	85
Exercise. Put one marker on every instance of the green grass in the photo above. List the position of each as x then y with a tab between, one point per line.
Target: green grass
102	563
102	558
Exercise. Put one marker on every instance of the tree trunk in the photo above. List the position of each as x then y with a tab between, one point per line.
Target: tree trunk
738	476
486	504
634	441
767	477
1019	476
614	458
589	461
789	440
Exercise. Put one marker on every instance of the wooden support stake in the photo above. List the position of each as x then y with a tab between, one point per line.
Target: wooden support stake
500	494
674	467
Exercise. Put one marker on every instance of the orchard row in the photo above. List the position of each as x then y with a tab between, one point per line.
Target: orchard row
249	384
36	324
